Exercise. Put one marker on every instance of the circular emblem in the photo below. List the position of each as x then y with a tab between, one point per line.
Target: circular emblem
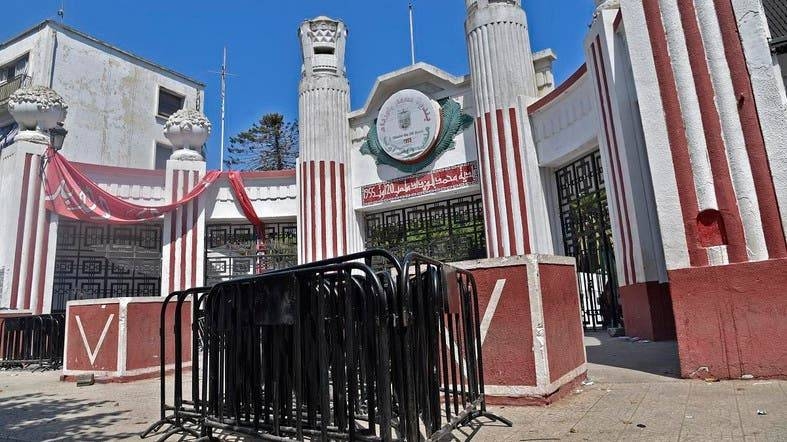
408	125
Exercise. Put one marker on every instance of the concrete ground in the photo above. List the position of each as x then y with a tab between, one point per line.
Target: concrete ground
634	396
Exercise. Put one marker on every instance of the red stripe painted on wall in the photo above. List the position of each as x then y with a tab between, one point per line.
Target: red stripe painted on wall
520	178
323	218
491	159
20	230
506	182
630	243
183	214
172	226
194	231
679	145
31	247
752	131
313	224
304	228
605	118
484	188
711	121
334	241
42	265
618	20
344	207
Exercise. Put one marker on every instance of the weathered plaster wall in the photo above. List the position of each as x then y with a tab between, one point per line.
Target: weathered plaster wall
113	104
112	96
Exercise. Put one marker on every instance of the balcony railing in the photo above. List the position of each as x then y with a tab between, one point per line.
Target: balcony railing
11	85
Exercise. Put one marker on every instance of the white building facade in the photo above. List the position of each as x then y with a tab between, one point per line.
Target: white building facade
118	101
659	165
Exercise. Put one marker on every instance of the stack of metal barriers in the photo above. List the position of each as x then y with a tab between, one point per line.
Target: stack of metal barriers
332	350
32	341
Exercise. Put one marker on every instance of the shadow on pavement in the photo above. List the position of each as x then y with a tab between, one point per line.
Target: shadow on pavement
43	416
659	358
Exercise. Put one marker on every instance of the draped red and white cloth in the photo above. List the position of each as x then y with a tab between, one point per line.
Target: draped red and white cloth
236	182
71	194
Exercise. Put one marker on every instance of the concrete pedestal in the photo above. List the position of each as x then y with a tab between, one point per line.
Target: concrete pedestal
530	328
117	340
730	319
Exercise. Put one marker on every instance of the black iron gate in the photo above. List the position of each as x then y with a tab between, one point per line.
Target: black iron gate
235	250
450	230
106	261
587	236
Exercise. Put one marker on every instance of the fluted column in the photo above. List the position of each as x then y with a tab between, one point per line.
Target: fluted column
324	222
503	80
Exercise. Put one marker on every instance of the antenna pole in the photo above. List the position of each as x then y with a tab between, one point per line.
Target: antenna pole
223	74
412	39
62	11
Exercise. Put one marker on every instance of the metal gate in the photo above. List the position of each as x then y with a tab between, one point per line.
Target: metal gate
106	261
587	236
450	230
235	250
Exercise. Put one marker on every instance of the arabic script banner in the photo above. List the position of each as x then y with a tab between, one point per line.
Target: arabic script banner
71	194
421	184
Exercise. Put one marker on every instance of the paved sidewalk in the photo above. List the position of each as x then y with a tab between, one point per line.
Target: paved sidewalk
635	396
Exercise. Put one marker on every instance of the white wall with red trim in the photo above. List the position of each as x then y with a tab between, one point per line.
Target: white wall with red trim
273	194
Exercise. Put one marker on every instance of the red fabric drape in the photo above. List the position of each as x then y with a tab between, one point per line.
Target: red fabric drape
71	194
236	182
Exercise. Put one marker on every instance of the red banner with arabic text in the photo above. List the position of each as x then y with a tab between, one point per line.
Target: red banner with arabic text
421	184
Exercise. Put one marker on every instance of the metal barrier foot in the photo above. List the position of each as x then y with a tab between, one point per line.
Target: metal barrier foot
154	428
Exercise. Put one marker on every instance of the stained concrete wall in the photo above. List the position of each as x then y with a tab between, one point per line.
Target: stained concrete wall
112	95
113	104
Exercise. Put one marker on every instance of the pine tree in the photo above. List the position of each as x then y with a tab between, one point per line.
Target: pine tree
270	144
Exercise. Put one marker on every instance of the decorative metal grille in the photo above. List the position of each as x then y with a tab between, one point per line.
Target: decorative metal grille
231	250
106	261
450	230
587	236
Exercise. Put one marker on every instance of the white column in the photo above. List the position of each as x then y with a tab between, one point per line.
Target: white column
503	80
326	220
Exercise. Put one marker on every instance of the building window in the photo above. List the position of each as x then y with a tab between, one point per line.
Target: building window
168	102
15	68
163	152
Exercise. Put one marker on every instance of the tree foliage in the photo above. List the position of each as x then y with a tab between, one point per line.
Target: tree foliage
270	144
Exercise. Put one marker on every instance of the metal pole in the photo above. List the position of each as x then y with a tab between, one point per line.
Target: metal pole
223	100
412	39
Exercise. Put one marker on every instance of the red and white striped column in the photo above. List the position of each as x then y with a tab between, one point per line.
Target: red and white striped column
183	257
326	226
31	235
503	80
711	169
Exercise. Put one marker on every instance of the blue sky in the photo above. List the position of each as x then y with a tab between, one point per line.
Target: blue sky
188	36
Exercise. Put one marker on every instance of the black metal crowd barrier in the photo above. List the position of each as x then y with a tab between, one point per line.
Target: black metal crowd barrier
32	341
333	350
444	337
182	415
